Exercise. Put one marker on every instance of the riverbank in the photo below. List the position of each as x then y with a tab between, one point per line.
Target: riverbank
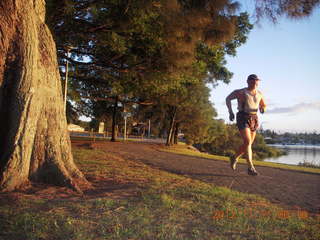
295	146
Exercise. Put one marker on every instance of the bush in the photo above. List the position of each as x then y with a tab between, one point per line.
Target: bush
225	141
309	164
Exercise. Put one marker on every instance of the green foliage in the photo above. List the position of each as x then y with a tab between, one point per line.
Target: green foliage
261	150
189	95
195	113
225	140
116	50
213	56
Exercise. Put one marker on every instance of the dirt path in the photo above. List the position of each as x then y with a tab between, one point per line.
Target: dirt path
284	187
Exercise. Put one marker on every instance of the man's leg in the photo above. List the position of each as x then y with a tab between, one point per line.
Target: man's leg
246	140
246	136
253	136
251	170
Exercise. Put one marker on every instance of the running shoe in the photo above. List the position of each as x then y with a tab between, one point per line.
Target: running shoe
233	163
252	172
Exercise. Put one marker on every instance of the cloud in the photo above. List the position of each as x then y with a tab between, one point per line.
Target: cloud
301	107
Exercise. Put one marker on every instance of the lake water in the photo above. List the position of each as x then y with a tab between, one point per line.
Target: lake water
297	154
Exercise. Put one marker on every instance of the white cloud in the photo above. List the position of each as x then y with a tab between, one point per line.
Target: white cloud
301	107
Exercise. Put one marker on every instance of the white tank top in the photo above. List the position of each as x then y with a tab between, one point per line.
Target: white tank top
248	102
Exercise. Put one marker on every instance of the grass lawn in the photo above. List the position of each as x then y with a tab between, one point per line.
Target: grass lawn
161	205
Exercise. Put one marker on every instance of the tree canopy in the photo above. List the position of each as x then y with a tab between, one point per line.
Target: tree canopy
293	9
144	50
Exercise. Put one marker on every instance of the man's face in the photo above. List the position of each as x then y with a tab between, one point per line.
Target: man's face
253	83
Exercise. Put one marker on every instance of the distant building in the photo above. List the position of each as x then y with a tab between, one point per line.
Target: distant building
75	128
101	127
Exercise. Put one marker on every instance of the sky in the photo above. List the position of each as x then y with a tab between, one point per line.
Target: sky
286	57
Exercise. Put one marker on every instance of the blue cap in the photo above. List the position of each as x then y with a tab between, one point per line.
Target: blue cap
253	77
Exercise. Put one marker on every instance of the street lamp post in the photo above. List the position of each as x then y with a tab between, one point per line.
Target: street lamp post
68	48
125	128
125	115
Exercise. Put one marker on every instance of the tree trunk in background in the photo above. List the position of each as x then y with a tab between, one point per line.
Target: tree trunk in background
172	135
171	127
176	132
114	119
34	141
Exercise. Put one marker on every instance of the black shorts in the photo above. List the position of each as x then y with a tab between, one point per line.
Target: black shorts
246	120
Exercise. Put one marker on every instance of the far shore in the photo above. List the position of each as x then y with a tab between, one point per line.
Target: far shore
295	146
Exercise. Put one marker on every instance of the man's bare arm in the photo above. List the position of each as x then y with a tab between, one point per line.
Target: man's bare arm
231	96
262	105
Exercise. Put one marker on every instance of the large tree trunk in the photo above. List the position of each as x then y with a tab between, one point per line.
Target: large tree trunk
34	142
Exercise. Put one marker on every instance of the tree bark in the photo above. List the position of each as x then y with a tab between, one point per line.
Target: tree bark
34	141
176	132
171	127
172	135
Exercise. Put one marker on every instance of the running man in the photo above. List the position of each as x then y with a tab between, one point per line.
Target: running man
250	99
